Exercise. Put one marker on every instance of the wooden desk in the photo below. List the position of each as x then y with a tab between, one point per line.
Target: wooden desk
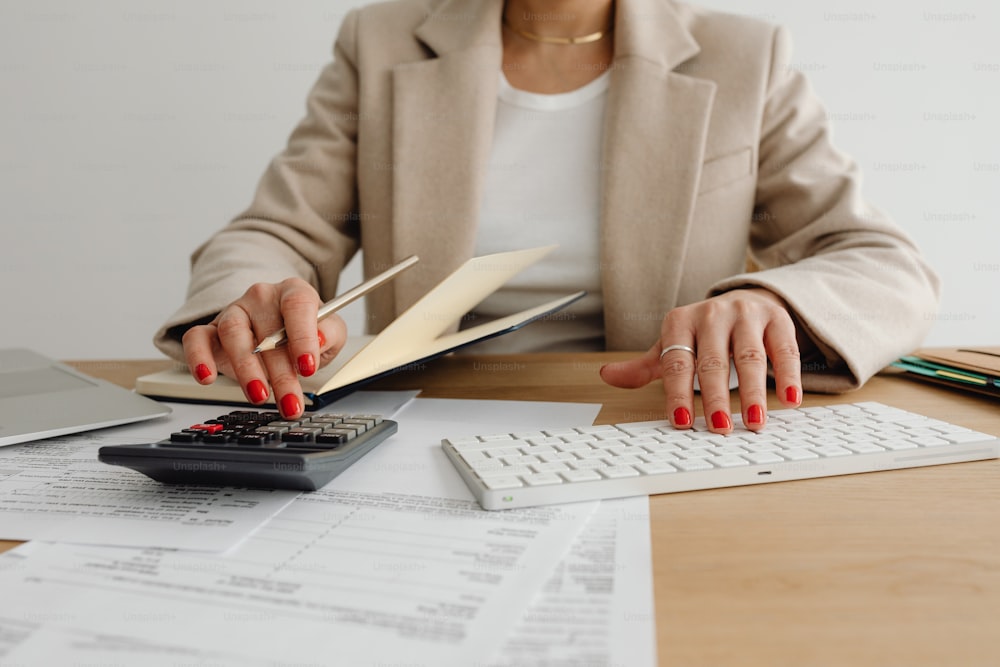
890	569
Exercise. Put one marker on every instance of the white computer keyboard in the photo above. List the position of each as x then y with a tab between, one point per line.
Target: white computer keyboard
563	465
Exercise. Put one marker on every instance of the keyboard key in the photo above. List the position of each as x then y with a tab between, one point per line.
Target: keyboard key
730	461
487	464
799	454
864	448
557	466
617	472
965	436
502	482
587	464
661	468
692	465
763	457
504	471
542	479
929	441
831	450
580	475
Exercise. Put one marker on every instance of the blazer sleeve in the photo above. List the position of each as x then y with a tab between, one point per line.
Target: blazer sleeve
855	283
302	221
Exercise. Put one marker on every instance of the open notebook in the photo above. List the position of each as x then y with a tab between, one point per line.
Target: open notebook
417	335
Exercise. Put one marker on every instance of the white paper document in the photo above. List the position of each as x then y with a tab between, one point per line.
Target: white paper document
337	578
597	607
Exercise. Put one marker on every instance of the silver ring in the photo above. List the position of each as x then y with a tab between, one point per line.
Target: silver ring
671	348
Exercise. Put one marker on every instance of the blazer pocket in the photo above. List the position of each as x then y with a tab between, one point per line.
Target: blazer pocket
723	170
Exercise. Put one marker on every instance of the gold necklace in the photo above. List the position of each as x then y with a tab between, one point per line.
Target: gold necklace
583	39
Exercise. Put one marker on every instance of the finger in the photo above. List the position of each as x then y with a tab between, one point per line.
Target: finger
284	382
633	373
299	303
783	350
713	373
332	335
199	345
750	359
237	341
263	308
676	367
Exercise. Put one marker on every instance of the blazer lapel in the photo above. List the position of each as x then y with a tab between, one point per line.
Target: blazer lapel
443	114
654	140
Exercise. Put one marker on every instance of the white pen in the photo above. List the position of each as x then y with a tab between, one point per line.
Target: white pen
350	296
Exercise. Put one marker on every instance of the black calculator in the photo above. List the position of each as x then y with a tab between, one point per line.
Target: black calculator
258	449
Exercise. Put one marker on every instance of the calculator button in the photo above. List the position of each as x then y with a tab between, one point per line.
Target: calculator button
366	423
327	419
331	439
298	435
207	428
346	433
185	436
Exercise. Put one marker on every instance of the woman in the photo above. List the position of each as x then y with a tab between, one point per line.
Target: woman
677	143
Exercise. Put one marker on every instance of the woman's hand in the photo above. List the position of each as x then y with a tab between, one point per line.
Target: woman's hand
751	325
226	344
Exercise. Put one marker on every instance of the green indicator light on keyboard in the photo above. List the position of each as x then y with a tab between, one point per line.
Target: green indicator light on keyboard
508	499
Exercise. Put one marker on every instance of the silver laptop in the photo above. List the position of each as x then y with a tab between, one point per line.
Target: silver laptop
41	398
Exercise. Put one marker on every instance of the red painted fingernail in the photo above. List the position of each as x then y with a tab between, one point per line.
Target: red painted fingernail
307	365
290	405
257	391
792	395
202	371
755	414
682	417
322	338
720	420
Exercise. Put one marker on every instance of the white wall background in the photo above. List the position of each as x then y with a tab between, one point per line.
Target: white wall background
130	130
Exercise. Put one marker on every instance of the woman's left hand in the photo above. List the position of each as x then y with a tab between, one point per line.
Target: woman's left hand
750	325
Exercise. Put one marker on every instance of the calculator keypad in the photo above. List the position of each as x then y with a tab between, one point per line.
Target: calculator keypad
252	429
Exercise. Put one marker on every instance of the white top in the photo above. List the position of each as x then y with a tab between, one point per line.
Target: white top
542	187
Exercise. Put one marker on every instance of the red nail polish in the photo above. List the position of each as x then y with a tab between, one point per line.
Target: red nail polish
682	417
322	339
290	406
792	395
201	370
307	365
720	420
257	391
755	414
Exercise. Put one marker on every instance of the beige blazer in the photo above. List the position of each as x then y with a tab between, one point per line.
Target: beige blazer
714	151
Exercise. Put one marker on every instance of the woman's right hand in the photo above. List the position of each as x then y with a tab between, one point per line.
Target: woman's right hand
225	345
